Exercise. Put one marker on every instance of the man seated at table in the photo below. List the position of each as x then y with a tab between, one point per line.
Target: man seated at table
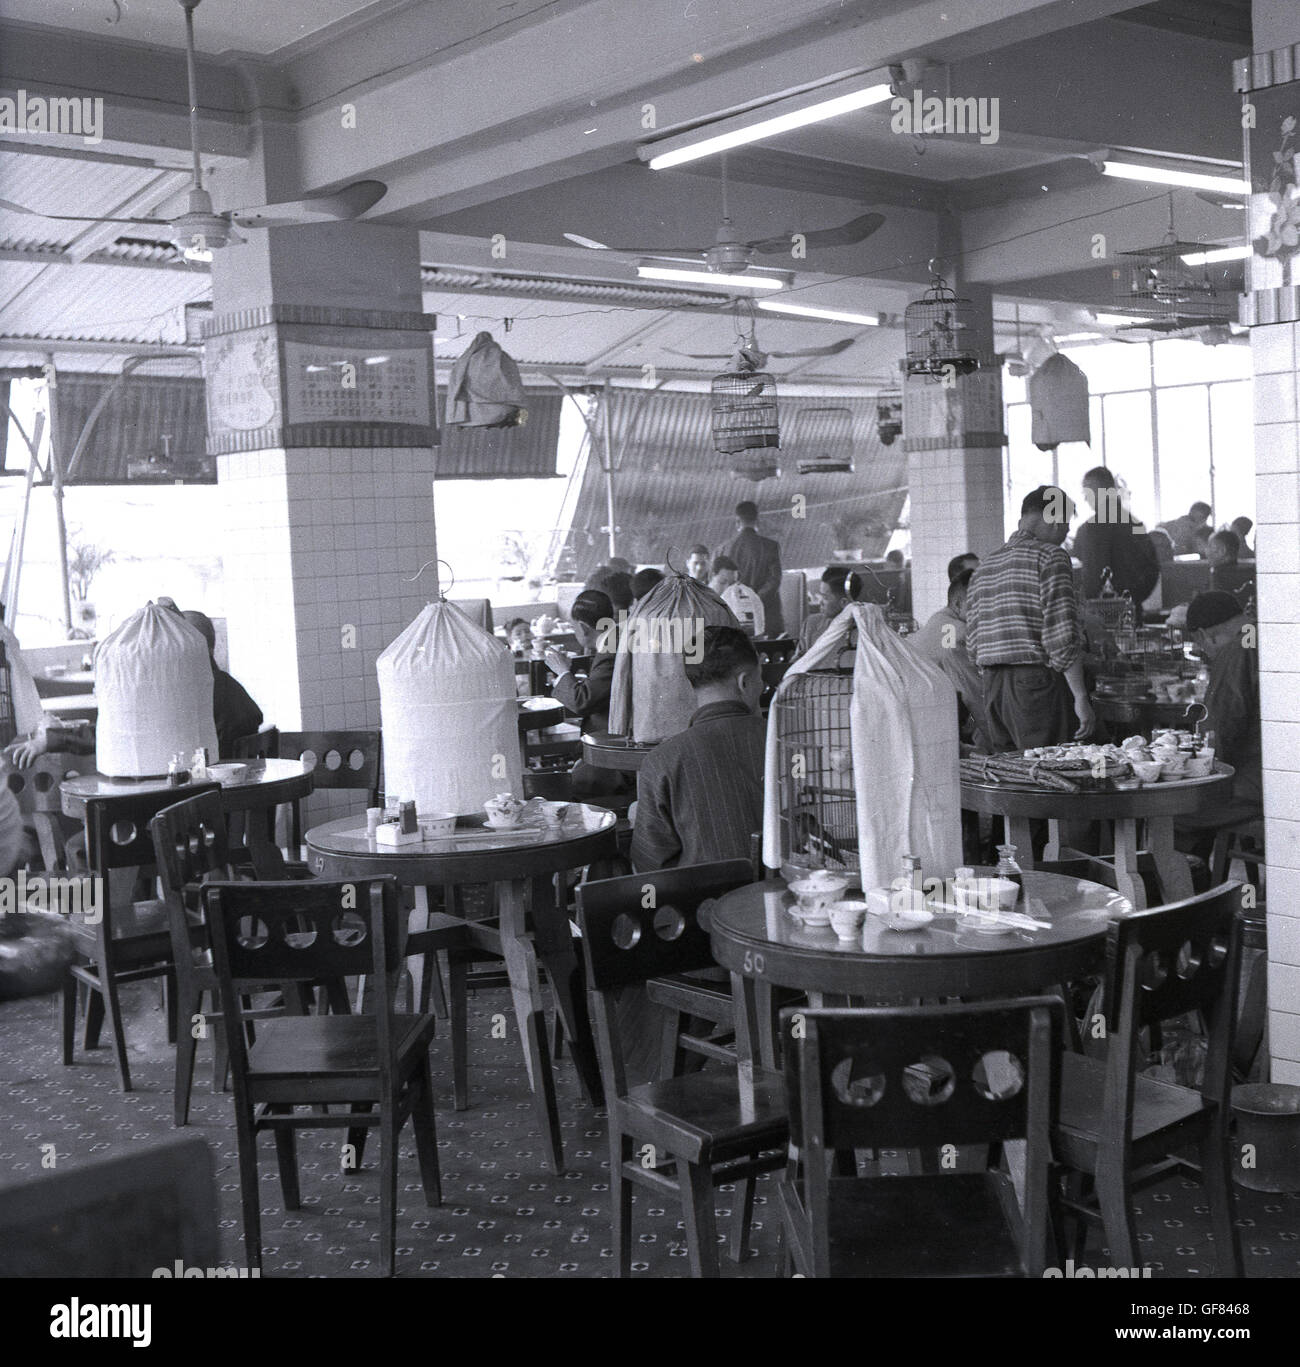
1226	638
235	713
700	792
942	640
832	595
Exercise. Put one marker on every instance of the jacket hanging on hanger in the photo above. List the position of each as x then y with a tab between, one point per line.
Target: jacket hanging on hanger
485	389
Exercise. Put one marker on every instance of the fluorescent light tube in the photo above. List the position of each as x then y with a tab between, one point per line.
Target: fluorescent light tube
752	282
1169	175
770	128
1240	253
870	320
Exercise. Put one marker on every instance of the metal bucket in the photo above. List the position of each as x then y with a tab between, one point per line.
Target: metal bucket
1268	1120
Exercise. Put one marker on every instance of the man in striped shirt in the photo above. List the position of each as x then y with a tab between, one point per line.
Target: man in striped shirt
700	792
1025	632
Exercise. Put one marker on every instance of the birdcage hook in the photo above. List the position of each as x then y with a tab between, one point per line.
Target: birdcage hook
442	592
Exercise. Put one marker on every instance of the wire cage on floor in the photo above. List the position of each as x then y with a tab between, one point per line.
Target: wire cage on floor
744	412
818	813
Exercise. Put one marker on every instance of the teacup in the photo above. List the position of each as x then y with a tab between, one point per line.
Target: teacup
553	814
1173	767
1147	770
847	918
1199	766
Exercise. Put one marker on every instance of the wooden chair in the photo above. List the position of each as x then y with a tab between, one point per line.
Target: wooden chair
263	744
130	940
124	1216
378	1065
680	1135
929	1077
38	785
343	760
1123	1131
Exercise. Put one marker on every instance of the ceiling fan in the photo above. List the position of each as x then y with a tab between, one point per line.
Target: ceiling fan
761	357
200	230
729	252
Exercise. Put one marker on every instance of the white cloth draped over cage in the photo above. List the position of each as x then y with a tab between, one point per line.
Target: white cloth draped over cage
650	696
450	720
902	754
1058	403
153	679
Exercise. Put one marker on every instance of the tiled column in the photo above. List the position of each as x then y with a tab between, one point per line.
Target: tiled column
954	440
320	412
1275	350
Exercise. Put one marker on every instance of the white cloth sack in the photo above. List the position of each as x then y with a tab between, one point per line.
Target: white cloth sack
903	735
650	696
28	712
451	724
1058	403
153	679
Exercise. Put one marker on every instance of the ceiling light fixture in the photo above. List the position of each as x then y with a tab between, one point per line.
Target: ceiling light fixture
751	282
871	320
1216	254
1172	175
810	107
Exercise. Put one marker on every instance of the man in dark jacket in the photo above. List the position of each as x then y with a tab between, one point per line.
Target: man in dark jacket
234	711
1114	540
758	558
700	792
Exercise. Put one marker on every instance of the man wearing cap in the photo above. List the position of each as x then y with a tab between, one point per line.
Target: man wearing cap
1226	639
1024	631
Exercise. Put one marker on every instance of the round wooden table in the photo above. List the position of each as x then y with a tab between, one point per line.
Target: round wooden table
268	783
511	860
1155	804
602	750
760	942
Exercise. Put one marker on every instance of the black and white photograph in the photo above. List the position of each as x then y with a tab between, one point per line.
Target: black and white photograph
649	640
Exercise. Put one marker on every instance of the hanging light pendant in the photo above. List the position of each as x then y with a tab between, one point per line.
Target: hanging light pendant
939	333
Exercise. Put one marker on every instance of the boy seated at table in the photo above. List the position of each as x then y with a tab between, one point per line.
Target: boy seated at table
700	792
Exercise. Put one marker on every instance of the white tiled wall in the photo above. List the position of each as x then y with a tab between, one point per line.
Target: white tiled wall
1277	454
321	541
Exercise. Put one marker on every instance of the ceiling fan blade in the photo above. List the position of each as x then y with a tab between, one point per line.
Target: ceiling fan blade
668	253
833	349
79	218
846	235
331	206
701	355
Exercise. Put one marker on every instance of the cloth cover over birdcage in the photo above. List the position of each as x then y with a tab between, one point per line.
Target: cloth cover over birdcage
25	713
938	328
889	416
897	718
450	722
1058	401
153	679
650	696
744	411
484	389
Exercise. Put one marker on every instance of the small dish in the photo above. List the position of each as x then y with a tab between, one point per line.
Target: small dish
437	824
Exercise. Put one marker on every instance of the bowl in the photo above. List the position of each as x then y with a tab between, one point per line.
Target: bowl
846	918
980	899
1199	766
227	773
818	892
906	918
1147	770
437	824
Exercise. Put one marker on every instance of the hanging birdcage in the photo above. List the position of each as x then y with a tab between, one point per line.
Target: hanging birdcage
938	328
1166	291
823	439
889	416
744	411
818	814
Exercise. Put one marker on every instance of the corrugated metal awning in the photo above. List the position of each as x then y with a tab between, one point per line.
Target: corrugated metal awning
672	489
527	452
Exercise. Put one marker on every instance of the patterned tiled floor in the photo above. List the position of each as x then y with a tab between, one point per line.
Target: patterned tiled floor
504	1211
